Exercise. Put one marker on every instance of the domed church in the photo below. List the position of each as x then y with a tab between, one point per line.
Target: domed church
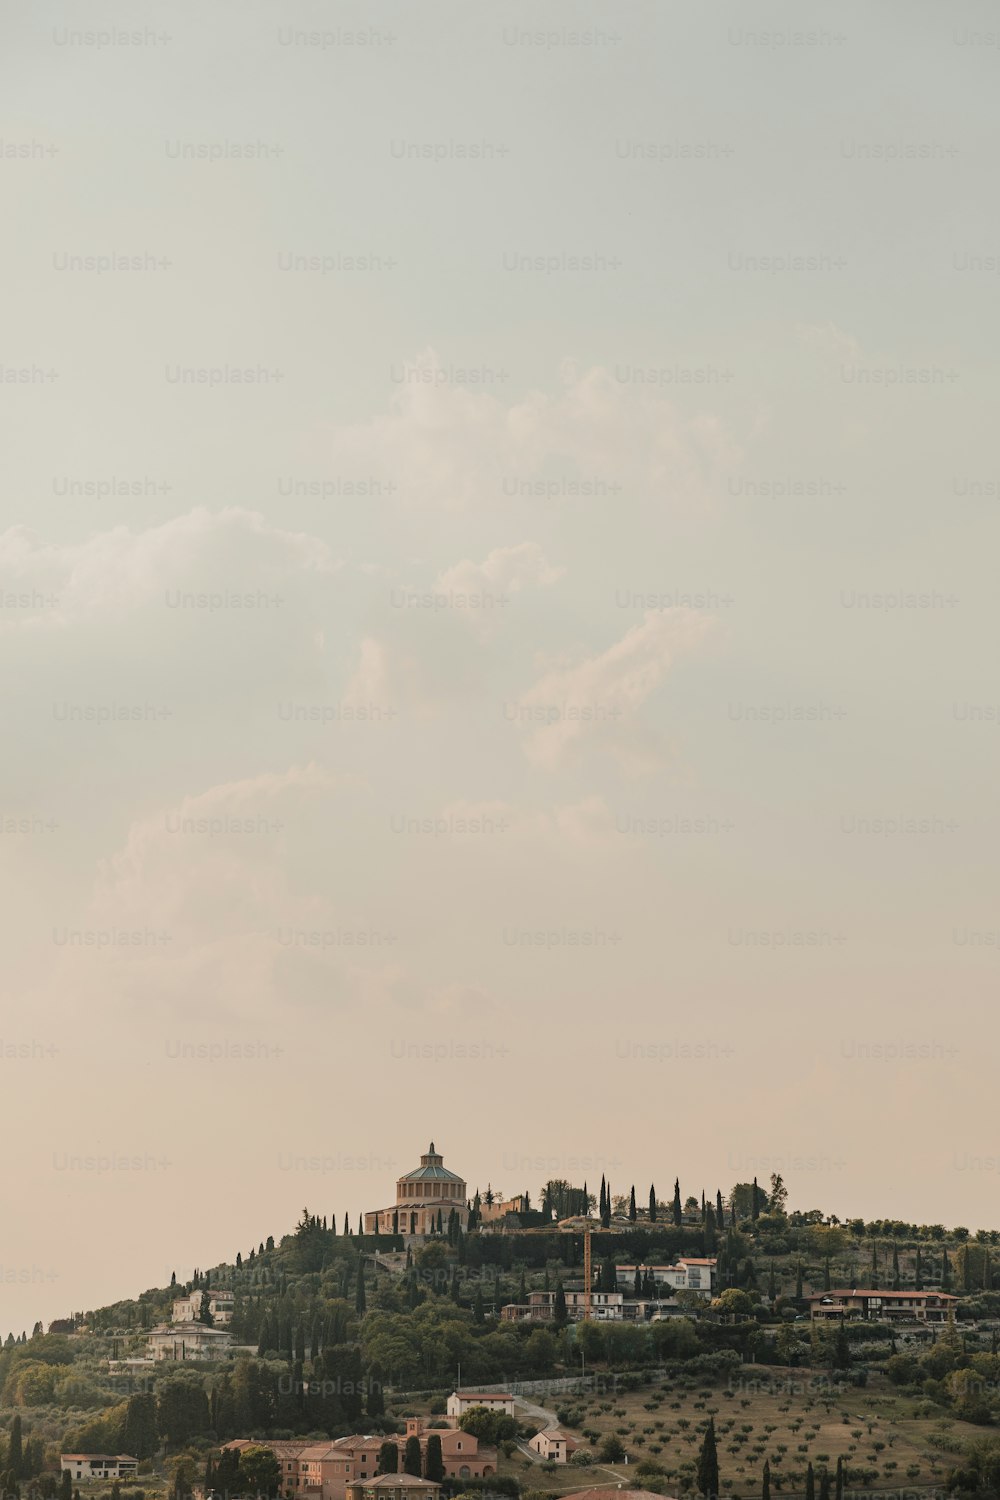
425	1199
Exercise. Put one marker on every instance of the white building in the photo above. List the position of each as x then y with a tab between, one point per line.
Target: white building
220	1305
181	1341
463	1401
99	1465
687	1274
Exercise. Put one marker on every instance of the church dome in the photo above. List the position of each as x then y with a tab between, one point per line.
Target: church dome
431	1169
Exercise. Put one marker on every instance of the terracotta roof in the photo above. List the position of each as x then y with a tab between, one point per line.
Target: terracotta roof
485	1395
875	1292
397	1481
611	1492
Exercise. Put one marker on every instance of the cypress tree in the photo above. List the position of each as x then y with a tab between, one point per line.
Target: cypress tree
838	1488
755	1201
604	1193
772	1288
435	1459
826	1274
478	1315
798	1282
708	1463
765	1482
874	1270
824	1485
559	1313
347	1226
918	1277
677	1201
388	1458
412	1463
15	1450
945	1272
810	1483
632	1215
895	1268
360	1297
720	1217
652	1204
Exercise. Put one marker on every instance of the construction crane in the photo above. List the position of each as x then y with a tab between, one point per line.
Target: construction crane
588	1279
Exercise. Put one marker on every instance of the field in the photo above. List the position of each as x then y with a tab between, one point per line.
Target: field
789	1417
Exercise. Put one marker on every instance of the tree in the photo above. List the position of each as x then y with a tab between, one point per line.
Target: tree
259	1470
360	1299
632	1215
798	1282
895	1268
838	1486
388	1458
708	1463
765	1486
810	1483
559	1313
435	1459
375	1399
755	1201
612	1450
677	1216
778	1196
945	1272
15	1450
652	1204
412	1462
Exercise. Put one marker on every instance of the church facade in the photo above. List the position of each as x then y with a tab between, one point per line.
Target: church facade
425	1200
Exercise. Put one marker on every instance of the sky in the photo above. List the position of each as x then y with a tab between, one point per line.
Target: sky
499	613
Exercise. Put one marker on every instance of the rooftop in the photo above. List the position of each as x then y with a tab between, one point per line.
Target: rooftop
431	1167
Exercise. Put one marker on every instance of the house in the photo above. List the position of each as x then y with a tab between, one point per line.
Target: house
554	1445
687	1274
881	1306
605	1307
220	1305
395	1487
426	1198
329	1470
98	1465
460	1402
463	1455
610	1492
188	1340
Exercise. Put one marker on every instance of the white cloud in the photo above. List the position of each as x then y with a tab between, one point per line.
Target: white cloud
446	445
594	701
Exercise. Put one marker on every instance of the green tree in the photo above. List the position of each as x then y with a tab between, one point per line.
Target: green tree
838	1486
412	1461
15	1449
141	1432
435	1459
559	1312
765	1482
632	1214
708	1463
259	1470
360	1299
388	1458
652	1204
676	1208
810	1483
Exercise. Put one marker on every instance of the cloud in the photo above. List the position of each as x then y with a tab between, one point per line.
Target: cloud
594	701
112	573
448	446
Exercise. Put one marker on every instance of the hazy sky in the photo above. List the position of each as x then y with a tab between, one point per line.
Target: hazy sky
551	705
